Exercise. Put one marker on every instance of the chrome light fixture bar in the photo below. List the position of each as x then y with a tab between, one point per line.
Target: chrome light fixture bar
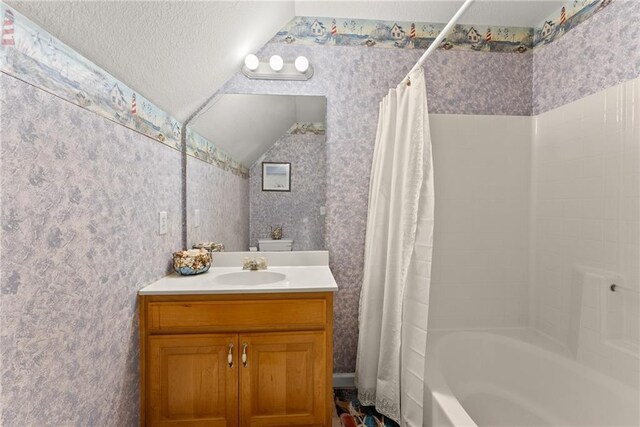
275	68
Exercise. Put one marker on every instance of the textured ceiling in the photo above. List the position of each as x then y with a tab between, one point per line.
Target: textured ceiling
177	54
246	125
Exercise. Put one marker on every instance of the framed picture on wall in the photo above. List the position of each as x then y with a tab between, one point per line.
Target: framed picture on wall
276	176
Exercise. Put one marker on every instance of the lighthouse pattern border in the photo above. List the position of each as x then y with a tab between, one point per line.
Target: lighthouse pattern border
571	14
31	54
403	35
420	35
34	56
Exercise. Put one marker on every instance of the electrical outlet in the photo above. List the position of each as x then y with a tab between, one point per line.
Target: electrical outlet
162	226
196	218
322	210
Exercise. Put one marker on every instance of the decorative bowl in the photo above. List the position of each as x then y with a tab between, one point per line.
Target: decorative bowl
192	261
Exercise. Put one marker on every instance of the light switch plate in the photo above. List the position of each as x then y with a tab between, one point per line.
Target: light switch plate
162	226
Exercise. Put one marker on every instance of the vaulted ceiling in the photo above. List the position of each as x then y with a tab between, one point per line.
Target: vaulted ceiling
174	53
178	53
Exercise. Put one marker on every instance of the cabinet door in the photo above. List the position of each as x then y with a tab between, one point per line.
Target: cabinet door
284	380
190	382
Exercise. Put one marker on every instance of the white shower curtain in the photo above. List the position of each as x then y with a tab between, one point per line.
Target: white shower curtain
397	268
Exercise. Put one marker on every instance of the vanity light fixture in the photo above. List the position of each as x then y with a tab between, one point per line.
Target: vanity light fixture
251	62
276	63
302	64
277	68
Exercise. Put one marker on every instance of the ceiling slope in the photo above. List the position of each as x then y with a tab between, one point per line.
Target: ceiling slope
176	54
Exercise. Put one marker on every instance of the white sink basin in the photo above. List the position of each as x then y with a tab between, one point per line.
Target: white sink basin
249	278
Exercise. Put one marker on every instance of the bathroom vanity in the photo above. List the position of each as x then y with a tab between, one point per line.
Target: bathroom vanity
239	348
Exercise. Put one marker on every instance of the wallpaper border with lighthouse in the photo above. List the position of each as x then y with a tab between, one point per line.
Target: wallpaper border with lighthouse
567	17
31	54
309	30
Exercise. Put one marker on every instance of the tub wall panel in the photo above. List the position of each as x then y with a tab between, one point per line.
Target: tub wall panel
481	241
587	217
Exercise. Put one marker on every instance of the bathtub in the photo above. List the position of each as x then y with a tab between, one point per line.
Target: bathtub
492	379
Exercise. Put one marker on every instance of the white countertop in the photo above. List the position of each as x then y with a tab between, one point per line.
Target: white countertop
299	278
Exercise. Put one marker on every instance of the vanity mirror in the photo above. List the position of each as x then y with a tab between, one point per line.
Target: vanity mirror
269	153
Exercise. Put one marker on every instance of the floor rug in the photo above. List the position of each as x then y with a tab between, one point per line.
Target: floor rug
353	414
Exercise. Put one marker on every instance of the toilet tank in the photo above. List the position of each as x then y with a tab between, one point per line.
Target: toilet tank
270	245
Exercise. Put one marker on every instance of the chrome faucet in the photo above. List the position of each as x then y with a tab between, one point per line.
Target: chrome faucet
259	263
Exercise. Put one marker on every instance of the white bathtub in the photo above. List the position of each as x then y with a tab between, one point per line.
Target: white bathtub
489	379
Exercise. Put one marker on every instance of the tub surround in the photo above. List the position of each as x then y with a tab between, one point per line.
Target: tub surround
585	189
479	277
587	226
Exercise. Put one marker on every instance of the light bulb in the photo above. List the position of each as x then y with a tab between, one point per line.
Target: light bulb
302	64
252	62
276	63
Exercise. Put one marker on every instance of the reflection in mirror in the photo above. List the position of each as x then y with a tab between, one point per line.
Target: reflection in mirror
269	154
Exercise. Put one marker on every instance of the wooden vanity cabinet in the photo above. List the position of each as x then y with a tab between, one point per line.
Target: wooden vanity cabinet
187	342
189	381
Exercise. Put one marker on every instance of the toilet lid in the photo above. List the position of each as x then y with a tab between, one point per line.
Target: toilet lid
284	241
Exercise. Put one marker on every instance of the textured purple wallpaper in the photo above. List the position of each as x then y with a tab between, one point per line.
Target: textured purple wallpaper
223	200
599	53
354	80
80	197
298	211
80	202
479	83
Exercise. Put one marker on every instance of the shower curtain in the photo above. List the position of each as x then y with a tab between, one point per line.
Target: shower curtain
397	267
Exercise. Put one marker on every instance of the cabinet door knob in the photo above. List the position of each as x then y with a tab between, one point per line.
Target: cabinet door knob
230	355
244	354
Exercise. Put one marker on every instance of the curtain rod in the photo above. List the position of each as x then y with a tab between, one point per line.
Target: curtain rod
441	36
